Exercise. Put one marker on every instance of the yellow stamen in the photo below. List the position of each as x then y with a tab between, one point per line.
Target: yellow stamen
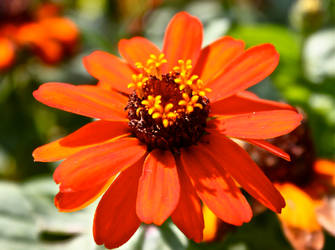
168	107
138	111
156	115
190	86
152	66
165	123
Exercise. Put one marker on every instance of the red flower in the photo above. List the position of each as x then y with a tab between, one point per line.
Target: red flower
7	53
44	31
167	141
307	185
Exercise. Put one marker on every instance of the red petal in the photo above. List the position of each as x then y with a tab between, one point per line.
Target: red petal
137	49
325	168
183	38
49	50
258	125
109	69
239	164
270	148
215	187
245	102
188	214
115	219
248	69
91	134
216	57
97	164
7	52
158	190
74	201
60	29
84	100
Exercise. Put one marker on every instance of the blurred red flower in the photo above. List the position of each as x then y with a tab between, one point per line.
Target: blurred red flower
162	148
309	208
307	185
44	31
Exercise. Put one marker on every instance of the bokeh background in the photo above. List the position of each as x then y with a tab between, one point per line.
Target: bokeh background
303	32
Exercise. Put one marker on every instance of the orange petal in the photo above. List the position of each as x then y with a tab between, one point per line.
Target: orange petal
215	187
50	51
46	10
30	32
109	69
7	53
216	57
158	190
300	208
258	125
326	168
211	224
188	214
183	38
115	219
251	67
73	201
270	148
137	49
93	133
239	164
84	100
245	102
97	164
61	29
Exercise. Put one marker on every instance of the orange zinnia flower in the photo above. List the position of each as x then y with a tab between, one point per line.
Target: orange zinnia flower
44	31
7	53
163	146
305	184
308	208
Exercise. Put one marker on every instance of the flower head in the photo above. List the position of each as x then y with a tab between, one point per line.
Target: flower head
306	183
161	145
44	31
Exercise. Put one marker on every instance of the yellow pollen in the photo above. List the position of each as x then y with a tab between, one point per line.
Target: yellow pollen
190	86
190	103
168	107
186	79
165	123
138	111
156	115
139	81
152	66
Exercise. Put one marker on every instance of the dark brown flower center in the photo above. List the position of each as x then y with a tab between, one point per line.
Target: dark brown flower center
299	145
165	116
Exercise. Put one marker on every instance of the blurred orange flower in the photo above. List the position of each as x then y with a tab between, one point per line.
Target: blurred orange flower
308	209
167	141
7	53
44	31
307	184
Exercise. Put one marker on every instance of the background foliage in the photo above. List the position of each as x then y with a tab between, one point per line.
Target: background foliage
304	36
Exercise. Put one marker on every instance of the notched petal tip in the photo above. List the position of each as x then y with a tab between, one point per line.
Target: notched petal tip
248	69
186	28
159	188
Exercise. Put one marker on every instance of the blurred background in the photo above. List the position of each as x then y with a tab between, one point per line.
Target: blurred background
43	41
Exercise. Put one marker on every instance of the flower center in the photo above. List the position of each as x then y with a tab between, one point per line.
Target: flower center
170	110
